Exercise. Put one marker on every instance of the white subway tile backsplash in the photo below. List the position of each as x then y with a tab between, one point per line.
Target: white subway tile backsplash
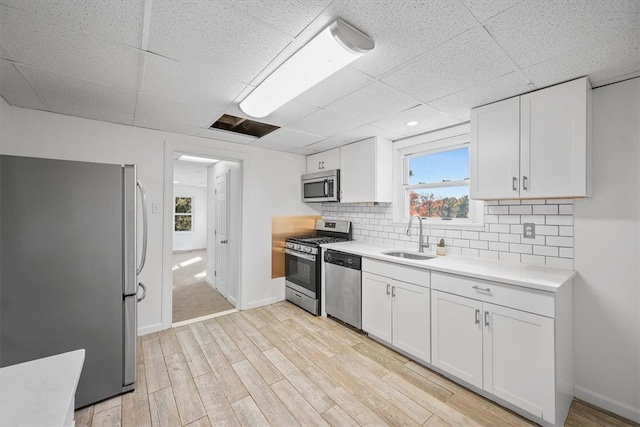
500	238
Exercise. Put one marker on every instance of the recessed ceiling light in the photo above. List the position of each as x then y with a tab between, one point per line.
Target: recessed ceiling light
412	123
197	159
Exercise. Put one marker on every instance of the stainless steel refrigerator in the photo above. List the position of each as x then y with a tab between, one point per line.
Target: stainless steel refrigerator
69	267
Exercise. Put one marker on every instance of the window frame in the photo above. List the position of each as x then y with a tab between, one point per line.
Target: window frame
439	141
191	214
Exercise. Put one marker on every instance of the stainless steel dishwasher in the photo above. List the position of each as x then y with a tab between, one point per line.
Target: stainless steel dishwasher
343	287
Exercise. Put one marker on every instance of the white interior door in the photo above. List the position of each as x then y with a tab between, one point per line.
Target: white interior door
222	233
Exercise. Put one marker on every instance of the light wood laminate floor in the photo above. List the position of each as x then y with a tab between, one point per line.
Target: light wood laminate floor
279	366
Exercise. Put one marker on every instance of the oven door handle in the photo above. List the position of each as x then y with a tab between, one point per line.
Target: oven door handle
300	255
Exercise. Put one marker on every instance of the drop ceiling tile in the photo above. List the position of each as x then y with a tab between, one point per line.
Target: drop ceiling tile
304	151
117	21
184	83
485	9
58	89
157	113
4	53
535	31
401	30
463	62
428	118
371	103
602	61
353	135
460	103
287	138
90	112
337	86
288	16
16	90
215	36
324	123
36	43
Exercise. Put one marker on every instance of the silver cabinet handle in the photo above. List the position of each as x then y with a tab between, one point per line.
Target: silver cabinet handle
477	316
524	183
486	318
388	286
144	291
143	257
514	184
479	289
393	292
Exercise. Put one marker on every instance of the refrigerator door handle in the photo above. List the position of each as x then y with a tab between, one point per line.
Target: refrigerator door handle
144	291
143	196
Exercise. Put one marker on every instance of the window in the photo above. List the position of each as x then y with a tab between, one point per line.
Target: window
183	214
434	182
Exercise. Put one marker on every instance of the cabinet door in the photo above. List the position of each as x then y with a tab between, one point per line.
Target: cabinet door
495	150
326	160
456	345
554	141
357	169
519	359
376	306
412	319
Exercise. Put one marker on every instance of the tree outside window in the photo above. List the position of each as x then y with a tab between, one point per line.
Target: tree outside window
183	214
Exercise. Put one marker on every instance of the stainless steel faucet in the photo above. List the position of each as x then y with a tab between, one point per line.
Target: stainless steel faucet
421	244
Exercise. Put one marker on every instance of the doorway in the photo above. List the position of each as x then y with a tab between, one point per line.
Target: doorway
199	262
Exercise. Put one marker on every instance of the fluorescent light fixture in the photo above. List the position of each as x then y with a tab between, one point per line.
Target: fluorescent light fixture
197	159
412	123
334	48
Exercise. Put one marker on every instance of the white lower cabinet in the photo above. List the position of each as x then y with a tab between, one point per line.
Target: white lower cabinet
512	347
395	311
506	352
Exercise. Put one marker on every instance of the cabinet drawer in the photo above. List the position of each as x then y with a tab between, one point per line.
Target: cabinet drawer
417	276
531	300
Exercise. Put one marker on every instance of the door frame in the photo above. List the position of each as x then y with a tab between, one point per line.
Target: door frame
235	214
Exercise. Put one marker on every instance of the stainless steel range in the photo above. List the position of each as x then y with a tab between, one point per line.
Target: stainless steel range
303	262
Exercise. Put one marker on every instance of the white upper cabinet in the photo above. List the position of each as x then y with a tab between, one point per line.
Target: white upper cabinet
532	146
365	171
326	160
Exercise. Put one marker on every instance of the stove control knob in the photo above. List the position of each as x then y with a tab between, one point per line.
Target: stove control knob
328	257
288	245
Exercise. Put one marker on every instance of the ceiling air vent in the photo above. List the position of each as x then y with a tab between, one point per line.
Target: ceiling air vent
243	126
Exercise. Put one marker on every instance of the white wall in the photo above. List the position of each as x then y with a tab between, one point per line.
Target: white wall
197	239
607	288
5	122
270	187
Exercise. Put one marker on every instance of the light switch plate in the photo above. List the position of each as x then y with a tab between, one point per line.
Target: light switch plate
529	230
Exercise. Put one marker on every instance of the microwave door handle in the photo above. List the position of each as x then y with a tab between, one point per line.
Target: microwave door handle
326	188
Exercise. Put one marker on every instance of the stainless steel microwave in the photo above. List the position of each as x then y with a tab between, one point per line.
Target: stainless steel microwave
321	186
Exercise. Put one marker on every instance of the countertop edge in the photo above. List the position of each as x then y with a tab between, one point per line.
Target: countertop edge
522	275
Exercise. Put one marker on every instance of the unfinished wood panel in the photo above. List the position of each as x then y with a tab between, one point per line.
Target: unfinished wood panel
283	227
155	369
215	403
307	388
226	375
248	413
164	412
193	353
272	408
299	407
135	405
224	341
111	417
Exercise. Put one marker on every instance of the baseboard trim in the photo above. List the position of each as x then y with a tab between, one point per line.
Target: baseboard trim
260	303
210	282
607	403
150	329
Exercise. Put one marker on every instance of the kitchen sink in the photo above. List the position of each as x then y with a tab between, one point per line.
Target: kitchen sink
408	255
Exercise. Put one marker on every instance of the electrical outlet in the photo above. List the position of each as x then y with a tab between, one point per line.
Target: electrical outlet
529	230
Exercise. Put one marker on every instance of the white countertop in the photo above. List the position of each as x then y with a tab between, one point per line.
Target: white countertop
529	276
40	392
